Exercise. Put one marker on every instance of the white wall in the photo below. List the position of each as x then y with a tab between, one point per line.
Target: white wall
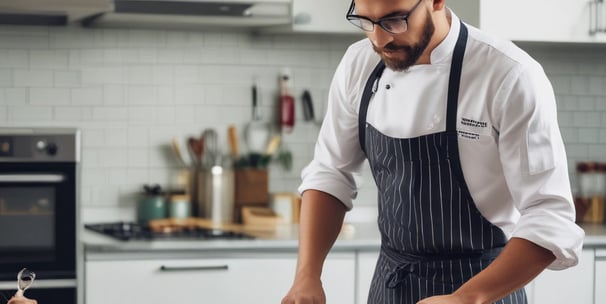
131	91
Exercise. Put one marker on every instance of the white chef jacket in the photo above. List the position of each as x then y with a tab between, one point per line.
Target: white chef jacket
511	150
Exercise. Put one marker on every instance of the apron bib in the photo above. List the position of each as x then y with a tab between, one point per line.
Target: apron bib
433	237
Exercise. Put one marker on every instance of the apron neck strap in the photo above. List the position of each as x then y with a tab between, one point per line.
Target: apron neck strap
453	88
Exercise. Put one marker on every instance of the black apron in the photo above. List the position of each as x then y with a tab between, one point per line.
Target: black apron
433	238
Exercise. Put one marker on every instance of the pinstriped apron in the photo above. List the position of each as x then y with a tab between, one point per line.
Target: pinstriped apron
434	238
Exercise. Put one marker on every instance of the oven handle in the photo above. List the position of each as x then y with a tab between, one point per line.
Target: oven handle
45	283
32	178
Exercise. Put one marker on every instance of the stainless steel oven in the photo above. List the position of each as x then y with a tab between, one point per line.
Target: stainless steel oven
38	211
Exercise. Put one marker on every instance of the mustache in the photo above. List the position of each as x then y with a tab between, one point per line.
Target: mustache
392	47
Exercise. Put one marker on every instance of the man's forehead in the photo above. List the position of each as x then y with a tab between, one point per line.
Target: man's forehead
380	8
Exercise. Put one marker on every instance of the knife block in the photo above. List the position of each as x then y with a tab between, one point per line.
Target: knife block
251	190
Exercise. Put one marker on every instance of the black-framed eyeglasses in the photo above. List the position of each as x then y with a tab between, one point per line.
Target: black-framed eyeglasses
394	25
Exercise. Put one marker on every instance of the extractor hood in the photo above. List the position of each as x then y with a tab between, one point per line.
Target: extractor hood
193	14
49	12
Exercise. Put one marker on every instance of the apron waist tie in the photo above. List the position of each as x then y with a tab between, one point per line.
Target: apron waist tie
406	263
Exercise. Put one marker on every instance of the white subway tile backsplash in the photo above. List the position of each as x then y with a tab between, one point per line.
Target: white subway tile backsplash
587	119
165	115
113	94
597	152
185	114
115	138
33	78
189	94
49	96
137	176
589	135
17	40
132	91
71	114
6	78
579	85
92	139
577	151
140	114
33	114
49	59
120	56
138	137
87	96
103	75
15	96
113	157
597	86
186	74
69	79
117	177
138	158
13	58
162	75
87	57
94	176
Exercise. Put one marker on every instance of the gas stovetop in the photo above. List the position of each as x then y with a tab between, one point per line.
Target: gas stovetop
130	231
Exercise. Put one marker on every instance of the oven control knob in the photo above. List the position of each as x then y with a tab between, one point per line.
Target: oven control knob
41	145
51	149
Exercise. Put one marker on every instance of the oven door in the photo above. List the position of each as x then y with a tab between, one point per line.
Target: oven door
38	219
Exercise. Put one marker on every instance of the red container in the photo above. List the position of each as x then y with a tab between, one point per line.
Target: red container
287	106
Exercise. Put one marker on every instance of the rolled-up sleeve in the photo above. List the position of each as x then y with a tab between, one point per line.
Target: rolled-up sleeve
337	154
535	165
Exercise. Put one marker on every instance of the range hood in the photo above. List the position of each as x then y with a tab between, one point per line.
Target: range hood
49	12
193	14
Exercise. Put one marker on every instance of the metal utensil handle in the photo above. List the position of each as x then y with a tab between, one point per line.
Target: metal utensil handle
211	149
193	268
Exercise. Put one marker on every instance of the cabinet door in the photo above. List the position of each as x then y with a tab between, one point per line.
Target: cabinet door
366	268
600	276
233	280
573	285
322	16
537	20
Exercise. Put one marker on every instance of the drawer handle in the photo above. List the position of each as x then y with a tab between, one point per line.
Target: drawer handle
193	268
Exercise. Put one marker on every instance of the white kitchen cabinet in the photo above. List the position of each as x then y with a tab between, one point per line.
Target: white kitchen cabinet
600	276
245	279
537	20
366	261
573	285
322	16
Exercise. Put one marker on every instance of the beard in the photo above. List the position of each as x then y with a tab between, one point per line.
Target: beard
412	52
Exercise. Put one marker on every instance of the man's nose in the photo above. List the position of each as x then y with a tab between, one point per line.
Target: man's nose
380	37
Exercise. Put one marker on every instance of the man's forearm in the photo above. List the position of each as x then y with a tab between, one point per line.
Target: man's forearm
519	263
319	225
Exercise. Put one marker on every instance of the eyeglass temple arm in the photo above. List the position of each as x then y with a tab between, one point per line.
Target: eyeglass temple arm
352	6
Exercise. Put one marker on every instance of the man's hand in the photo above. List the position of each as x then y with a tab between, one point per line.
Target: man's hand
445	299
18	299
305	290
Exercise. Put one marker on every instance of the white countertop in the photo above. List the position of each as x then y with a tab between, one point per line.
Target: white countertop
283	238
364	237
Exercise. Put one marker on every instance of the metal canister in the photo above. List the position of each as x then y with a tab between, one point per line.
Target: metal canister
216	194
179	206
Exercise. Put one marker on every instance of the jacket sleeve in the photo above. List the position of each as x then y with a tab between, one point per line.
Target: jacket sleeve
535	165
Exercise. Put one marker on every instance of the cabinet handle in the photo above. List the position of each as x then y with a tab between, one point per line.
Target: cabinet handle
596	17
193	268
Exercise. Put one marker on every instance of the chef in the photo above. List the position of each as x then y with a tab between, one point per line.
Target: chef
460	131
